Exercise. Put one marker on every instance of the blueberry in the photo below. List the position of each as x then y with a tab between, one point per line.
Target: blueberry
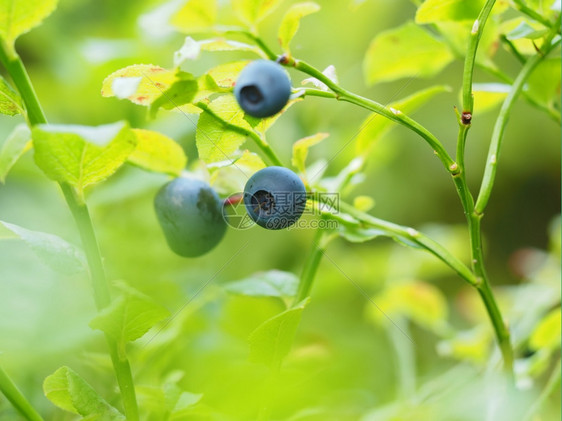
262	88
190	214
275	197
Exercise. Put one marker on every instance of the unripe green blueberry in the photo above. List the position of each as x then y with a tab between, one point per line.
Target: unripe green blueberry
190	214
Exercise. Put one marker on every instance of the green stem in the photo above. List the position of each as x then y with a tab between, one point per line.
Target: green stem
497	73
35	115
411	235
523	8
259	141
503	117
17	71
16	398
513	49
475	35
392	114
102	298
311	266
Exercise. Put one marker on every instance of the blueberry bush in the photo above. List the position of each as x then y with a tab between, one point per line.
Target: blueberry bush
137	280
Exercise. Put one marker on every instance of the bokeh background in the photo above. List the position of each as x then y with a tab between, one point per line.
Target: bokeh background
347	363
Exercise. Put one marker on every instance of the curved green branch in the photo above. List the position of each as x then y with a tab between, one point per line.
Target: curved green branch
35	115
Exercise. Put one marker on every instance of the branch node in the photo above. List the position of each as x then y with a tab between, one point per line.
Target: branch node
466	118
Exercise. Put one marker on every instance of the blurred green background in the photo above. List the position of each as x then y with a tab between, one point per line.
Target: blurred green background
346	362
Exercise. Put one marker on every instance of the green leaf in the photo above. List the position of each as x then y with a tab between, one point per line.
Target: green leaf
547	332
291	21
521	31
253	11
419	301
15	146
525	30
300	149
406	51
157	152
20	16
154	80
272	340
81	155
67	390
215	138
262	125
196	16
182	91
10	101
129	316
375	126
55	252
274	283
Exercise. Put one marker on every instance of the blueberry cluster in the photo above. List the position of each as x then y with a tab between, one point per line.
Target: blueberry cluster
191	213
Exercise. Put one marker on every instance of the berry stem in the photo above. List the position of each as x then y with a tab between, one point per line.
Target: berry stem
258	140
35	115
16	398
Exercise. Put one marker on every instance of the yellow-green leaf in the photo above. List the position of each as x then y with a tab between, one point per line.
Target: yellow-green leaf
300	149
291	21
374	127
216	138
406	51
253	11
225	75
157	152
154	80
82	155
19	16
547	333
10	101
196	16
67	390
419	301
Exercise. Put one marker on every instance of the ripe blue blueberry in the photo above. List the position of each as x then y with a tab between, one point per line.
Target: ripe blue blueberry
275	197
190	214
262	88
